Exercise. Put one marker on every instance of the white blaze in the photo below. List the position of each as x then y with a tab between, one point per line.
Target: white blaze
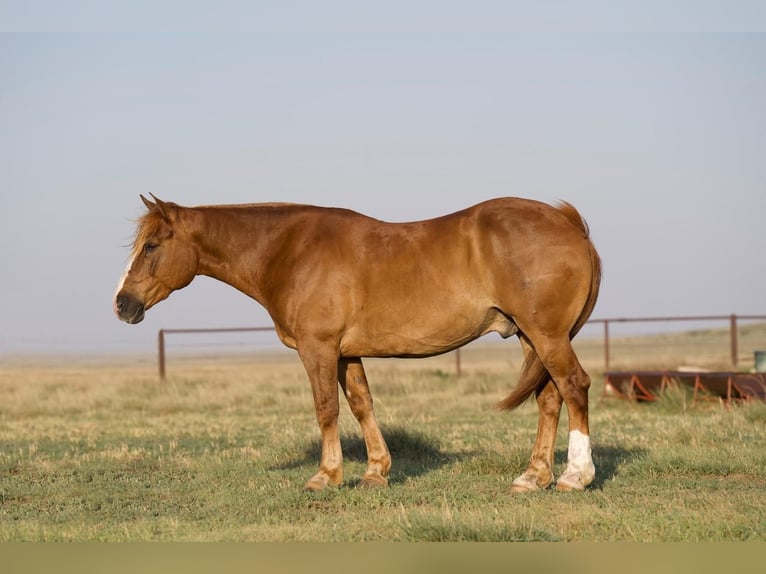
121	284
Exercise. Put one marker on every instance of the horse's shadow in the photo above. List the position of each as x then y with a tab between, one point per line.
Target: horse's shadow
607	458
414	454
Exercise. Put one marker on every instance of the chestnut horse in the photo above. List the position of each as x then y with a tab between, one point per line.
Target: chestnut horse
341	286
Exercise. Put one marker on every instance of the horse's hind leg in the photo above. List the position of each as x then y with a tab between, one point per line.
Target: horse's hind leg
572	383
354	383
539	472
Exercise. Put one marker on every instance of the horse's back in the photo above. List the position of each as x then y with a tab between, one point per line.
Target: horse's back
424	287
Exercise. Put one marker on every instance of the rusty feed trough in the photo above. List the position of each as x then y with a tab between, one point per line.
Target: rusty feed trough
648	385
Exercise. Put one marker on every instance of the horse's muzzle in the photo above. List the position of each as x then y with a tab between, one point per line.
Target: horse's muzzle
128	309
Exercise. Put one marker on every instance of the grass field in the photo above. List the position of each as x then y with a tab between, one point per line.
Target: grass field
100	450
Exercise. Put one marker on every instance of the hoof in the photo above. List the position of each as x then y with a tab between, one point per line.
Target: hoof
320	481
523	488
314	485
373	480
570	482
527	483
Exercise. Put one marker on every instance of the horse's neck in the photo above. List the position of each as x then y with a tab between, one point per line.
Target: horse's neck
233	246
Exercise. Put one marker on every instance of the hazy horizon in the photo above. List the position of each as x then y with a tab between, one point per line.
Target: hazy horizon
657	139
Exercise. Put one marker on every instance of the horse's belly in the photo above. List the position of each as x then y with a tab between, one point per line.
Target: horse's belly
413	337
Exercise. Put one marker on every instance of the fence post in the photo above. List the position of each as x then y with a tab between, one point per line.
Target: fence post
457	362
606	344
734	342
161	353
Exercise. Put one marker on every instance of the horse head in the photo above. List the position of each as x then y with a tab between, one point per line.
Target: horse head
162	260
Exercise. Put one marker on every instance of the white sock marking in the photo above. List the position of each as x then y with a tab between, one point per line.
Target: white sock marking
579	459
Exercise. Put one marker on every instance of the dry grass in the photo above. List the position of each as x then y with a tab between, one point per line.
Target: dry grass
100	450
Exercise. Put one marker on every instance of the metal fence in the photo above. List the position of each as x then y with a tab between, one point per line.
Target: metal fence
732	321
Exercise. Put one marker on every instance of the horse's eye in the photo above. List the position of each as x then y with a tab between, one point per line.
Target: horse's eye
149	247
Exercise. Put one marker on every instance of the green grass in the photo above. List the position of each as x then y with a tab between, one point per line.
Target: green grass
221	454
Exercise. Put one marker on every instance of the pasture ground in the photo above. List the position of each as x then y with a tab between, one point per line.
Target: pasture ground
100	450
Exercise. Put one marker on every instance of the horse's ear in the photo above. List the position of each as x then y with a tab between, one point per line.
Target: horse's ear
149	205
158	205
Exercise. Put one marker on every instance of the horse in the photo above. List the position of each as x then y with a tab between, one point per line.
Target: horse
341	286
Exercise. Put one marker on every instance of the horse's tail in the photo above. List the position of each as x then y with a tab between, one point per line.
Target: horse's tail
534	375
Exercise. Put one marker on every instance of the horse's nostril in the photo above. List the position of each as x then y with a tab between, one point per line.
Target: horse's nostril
121	303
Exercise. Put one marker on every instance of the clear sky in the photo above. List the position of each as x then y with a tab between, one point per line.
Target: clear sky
658	139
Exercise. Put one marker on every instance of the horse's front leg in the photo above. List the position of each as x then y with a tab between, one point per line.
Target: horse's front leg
354	383
321	364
